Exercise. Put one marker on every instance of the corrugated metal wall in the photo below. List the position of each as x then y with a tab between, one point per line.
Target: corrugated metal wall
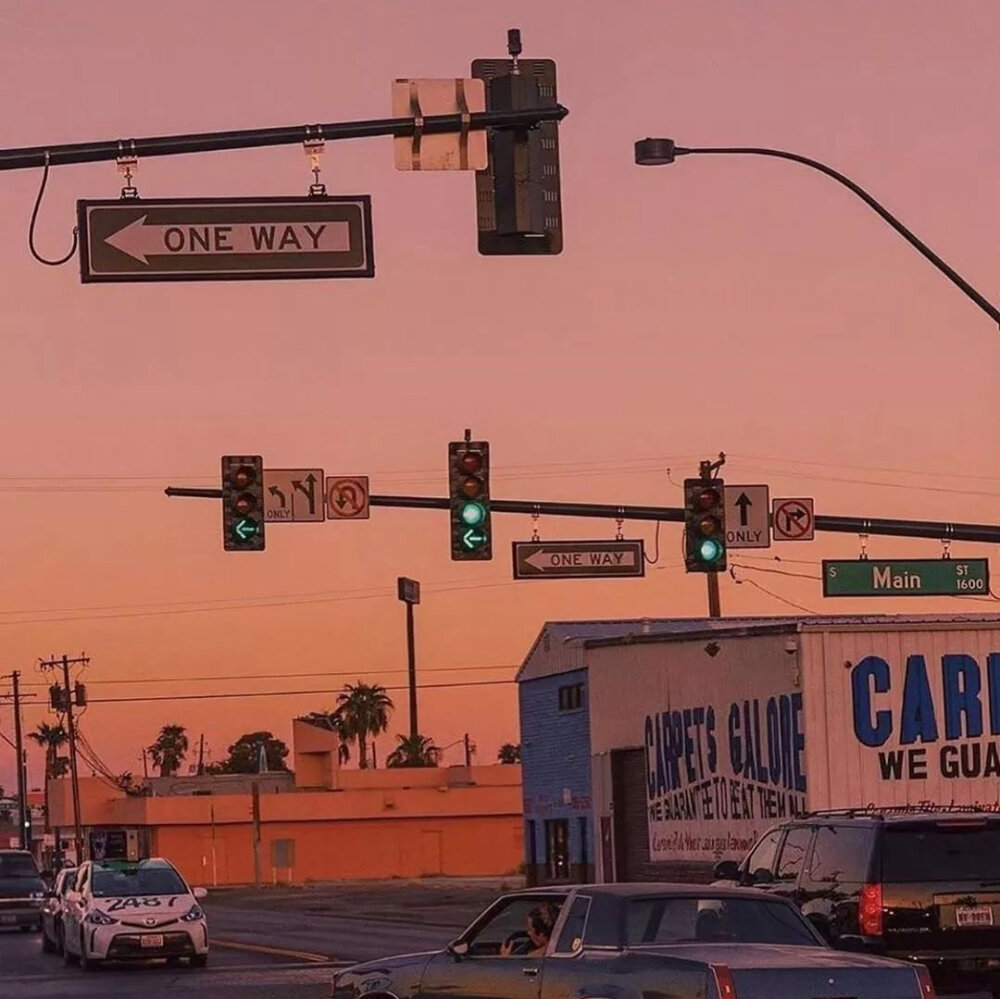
901	717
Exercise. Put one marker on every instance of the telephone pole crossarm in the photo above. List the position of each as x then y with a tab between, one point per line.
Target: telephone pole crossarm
934	530
208	142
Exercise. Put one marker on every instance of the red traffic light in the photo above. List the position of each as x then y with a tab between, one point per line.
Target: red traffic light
471	462
243	477
708	498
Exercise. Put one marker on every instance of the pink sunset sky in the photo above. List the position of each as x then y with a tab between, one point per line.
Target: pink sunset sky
721	304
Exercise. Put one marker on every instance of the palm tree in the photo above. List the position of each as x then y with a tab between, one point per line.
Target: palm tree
362	711
169	750
509	752
414	751
51	737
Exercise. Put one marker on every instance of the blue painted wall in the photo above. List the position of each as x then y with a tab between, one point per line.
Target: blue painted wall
555	755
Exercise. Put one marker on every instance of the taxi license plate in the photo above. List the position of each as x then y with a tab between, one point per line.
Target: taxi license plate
151	940
974	915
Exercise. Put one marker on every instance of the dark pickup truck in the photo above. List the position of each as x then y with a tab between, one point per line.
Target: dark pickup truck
22	893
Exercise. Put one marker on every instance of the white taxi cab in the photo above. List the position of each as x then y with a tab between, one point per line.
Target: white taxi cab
120	910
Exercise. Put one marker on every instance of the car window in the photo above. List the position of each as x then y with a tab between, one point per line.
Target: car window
840	854
18	865
954	850
511	921
123	882
793	852
764	853
713	919
572	935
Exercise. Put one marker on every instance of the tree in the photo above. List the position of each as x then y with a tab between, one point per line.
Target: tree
414	751
51	737
169	750
333	723
362	711
509	752
244	755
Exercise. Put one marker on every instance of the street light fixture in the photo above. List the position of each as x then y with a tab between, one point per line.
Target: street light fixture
659	152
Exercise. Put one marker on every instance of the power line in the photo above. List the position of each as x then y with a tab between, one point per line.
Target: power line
285	693
285	676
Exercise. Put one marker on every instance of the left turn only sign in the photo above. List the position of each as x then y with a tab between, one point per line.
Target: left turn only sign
225	239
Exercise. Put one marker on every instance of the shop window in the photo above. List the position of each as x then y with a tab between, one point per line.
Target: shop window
571	697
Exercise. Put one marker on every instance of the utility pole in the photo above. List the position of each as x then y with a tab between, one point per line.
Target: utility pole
64	663
22	777
201	755
408	590
145	765
707	470
468	751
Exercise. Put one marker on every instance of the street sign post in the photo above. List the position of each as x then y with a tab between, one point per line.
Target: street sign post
347	497
578	559
293	495
793	520
747	509
225	239
906	577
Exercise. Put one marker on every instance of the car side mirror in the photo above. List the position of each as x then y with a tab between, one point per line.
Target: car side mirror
458	949
762	876
199	892
726	870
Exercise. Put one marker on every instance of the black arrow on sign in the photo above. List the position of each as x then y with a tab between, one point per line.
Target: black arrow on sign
275	491
743	501
310	493
797	514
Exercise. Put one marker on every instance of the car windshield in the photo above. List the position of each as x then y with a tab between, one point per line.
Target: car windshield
121	882
708	919
946	851
17	865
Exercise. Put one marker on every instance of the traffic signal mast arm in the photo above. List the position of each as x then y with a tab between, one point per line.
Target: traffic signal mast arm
984	533
207	142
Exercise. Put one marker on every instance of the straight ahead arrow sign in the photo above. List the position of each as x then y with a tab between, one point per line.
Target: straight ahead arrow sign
743	502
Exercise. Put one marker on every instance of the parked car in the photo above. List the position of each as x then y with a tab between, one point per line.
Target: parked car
52	911
917	883
133	910
22	892
634	941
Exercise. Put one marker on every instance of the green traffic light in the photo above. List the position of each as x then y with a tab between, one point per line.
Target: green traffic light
473	539
245	528
473	514
710	550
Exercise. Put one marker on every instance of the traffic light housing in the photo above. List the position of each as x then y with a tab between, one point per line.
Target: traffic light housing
518	194
469	492
704	525
243	503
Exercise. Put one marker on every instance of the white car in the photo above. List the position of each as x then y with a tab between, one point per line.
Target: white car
120	910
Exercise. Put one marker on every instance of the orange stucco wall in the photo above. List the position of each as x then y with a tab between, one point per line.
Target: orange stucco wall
487	845
376	824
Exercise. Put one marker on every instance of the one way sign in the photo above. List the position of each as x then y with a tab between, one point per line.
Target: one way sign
747	510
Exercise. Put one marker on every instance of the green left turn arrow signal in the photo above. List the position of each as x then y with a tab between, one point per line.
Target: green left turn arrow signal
473	539
245	528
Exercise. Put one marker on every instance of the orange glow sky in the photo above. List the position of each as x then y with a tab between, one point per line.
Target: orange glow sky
743	305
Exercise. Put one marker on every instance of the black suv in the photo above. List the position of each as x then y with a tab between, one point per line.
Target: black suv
22	893
922	884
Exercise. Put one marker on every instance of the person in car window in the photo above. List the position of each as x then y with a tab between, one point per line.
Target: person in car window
539	926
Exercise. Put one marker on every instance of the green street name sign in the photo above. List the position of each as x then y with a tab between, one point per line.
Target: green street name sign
897	577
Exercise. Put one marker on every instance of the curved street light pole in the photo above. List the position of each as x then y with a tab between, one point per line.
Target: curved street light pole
657	152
